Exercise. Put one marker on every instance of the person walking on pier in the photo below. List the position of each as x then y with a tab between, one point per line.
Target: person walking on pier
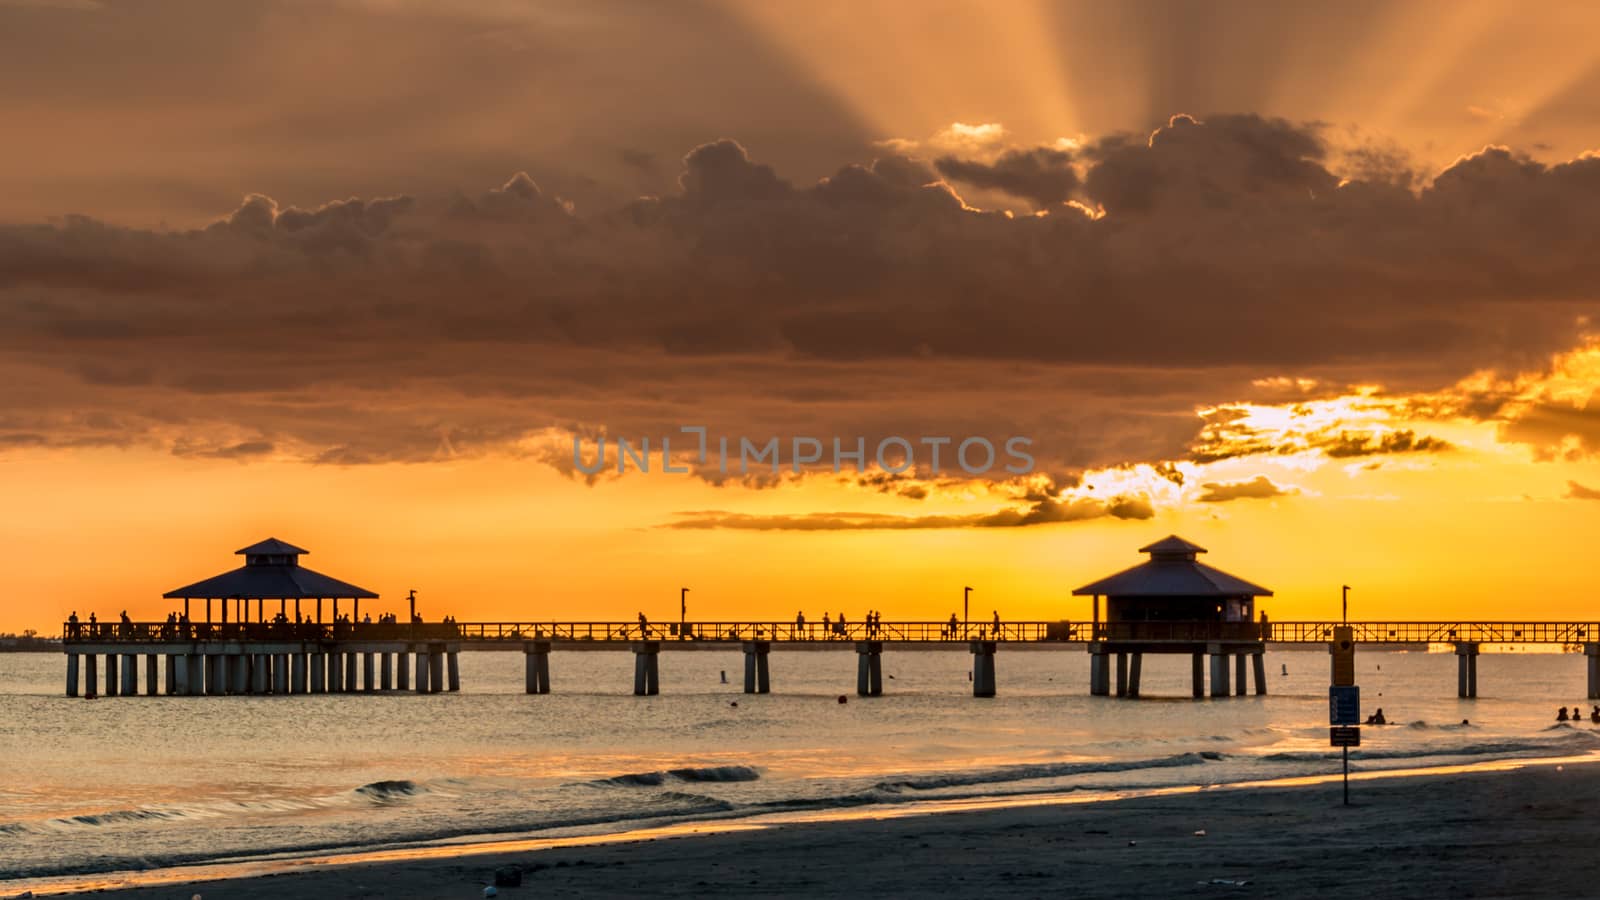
997	623
644	626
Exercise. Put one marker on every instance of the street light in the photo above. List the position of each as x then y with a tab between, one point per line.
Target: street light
966	608
1344	604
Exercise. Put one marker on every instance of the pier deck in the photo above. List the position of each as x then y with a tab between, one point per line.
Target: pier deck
278	657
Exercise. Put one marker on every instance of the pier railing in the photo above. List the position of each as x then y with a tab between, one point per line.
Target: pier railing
144	632
1440	632
921	632
1293	632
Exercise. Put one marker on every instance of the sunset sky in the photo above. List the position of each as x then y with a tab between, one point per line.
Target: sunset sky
1311	286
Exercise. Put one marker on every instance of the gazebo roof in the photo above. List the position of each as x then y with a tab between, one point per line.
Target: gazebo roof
271	546
259	580
1173	571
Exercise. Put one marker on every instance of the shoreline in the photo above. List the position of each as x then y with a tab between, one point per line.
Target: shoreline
770	841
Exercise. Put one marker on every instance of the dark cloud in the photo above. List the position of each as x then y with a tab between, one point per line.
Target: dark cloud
1258	488
1045	512
518	200
1576	491
1403	441
871	302
1227	433
1555	430
1041	175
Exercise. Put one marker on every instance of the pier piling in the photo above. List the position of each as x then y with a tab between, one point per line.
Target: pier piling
1099	670
402	670
297	673
1219	671
536	665
386	673
280	673
435	668
869	668
90	675
180	674
1135	667
130	674
172	675
1467	669
983	674
757	678
422	668
152	676
369	674
646	668
350	672
452	666
1122	674
1260	663
111	675
1239	683
212	666
1591	654
72	675
319	672
1198	674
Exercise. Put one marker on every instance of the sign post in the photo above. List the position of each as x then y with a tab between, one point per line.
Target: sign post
1344	699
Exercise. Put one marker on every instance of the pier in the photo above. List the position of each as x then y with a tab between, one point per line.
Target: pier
303	654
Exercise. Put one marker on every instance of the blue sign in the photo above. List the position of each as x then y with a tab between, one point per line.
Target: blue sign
1344	705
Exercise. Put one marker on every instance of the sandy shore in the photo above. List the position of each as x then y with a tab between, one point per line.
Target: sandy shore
1529	832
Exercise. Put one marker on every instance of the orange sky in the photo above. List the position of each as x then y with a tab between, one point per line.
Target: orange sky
1312	287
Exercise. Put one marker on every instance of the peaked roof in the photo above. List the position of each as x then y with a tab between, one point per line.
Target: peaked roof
1172	571
1172	544
258	580
270	583
270	546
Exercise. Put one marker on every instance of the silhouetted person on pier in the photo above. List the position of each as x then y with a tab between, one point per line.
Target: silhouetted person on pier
955	625
839	626
644	626
997	623
72	624
800	622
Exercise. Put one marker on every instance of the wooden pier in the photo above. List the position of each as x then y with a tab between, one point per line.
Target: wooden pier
302	654
309	658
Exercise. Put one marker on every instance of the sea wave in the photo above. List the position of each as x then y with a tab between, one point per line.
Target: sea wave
1568	742
390	791
1035	771
691	774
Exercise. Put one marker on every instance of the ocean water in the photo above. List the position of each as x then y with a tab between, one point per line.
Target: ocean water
142	783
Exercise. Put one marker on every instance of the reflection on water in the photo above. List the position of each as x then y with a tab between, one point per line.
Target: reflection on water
149	782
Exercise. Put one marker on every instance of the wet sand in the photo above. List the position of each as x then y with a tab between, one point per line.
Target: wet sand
1528	832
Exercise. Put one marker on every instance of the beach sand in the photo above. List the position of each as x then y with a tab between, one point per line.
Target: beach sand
1531	831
